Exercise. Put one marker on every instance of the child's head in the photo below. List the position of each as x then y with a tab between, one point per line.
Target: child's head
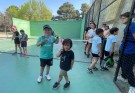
99	32
67	44
93	25
104	25
107	27
124	17
47	29
14	28
22	31
114	31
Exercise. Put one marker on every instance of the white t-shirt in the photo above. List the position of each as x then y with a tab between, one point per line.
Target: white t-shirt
95	42
91	33
111	39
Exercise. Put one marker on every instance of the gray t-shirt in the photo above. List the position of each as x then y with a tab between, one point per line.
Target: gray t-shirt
24	37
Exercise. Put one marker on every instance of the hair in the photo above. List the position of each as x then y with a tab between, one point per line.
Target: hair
104	24
99	30
114	29
94	24
22	30
107	27
126	14
67	41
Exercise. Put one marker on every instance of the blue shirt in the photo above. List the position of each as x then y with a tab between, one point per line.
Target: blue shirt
111	39
95	42
46	50
130	46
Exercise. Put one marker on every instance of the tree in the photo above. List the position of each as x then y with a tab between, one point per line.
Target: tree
13	11
67	11
84	8
34	10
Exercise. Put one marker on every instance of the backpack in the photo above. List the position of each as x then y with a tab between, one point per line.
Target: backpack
109	62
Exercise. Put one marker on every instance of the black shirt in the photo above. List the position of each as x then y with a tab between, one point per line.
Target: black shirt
65	60
16	33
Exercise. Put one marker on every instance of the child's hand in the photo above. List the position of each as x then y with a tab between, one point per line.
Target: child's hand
100	55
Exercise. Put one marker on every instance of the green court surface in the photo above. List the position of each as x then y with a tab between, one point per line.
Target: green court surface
19	74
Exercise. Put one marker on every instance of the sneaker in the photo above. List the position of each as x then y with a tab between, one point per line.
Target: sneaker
95	68
105	68
122	79
48	77
131	90
56	85
90	70
88	55
67	85
26	55
22	54
84	53
39	79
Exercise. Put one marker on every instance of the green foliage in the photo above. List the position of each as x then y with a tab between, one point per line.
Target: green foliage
84	8
67	11
34	10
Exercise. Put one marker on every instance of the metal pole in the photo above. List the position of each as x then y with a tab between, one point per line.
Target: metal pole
125	39
99	13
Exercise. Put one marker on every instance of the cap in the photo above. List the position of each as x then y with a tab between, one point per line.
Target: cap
46	27
14	27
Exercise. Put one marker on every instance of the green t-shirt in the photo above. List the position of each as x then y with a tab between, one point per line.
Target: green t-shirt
46	50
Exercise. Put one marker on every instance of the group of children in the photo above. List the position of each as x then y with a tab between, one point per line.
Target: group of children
20	39
95	38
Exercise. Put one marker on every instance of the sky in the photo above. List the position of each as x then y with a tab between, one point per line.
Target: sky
53	5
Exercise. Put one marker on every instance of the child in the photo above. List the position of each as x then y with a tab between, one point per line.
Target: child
46	51
16	39
90	35
111	40
96	49
66	62
110	44
23	40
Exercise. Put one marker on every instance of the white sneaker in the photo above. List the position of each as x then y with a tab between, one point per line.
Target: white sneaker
48	77
122	79
131	90
39	79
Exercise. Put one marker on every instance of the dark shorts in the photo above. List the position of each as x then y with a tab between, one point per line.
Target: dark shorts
95	55
108	54
44	62
24	44
17	41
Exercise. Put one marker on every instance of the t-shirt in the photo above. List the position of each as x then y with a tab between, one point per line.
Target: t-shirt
111	39
91	33
24	37
130	45
65	60
95	42
16	33
46	50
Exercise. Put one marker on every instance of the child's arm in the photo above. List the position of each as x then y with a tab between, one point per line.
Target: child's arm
59	53
40	42
72	63
99	48
112	50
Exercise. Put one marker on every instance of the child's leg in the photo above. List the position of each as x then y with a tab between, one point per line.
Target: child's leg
94	61
41	71
16	48
66	77
19	48
61	74
47	69
89	47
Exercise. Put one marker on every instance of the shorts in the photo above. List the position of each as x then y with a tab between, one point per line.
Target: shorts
24	44
108	54
17	41
90	40
44	62
95	55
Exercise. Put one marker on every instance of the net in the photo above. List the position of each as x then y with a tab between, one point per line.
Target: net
33	51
